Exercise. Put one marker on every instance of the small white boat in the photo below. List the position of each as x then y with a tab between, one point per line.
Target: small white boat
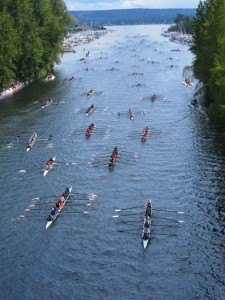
49	77
47	103
187	84
90	92
31	141
49	165
60	208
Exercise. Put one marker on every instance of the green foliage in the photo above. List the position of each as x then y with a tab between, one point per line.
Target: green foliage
31	36
9	49
217	114
183	23
209	49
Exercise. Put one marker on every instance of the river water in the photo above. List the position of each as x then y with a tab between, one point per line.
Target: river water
180	168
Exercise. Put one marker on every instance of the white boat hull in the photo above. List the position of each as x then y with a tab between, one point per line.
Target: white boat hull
46	171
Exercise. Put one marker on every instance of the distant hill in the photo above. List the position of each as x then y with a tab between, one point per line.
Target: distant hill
130	16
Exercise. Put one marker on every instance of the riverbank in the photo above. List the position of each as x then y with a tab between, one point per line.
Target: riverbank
68	45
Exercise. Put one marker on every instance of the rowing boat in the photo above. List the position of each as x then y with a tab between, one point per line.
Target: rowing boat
49	77
49	165
90	93
47	103
131	114
60	208
90	110
147	224
113	158
89	130
31	141
144	134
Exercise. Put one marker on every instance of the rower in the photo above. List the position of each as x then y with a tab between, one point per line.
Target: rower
115	150
146	225
148	212
60	202
50	218
53	211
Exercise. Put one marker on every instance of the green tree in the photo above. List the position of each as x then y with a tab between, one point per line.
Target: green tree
9	52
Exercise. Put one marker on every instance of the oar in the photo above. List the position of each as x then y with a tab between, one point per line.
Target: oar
89	196
66	163
172	211
174	220
126	163
129	221
119	209
127	230
44	197
169	234
79	204
117	216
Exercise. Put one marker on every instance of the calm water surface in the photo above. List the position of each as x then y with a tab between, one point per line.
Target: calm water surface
180	167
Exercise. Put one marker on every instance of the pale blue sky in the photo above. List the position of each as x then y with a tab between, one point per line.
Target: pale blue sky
122	4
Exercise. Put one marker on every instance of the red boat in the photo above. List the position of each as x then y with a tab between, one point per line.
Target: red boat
89	129
113	157
144	134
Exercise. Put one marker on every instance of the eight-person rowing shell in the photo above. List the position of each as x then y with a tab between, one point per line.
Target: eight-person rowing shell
147	224
89	130
58	206
113	157
144	134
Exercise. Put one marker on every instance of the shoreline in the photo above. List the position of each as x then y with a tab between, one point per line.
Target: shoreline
68	45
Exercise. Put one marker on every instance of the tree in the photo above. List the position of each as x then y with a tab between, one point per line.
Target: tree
31	36
9	52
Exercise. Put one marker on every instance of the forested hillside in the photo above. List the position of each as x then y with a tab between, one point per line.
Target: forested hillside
130	16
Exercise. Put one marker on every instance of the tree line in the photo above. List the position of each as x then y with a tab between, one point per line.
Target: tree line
130	16
31	35
209	50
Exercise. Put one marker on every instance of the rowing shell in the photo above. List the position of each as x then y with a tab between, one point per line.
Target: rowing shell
90	110
146	233
49	167
60	208
31	141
